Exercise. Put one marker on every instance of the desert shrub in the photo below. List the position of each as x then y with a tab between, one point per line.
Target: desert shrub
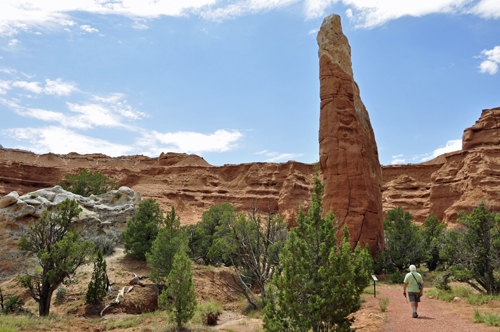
142	228
397	277
14	304
106	242
60	293
87	183
442	282
210	312
383	302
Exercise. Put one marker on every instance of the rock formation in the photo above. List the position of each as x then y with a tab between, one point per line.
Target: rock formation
452	182
348	151
186	181
101	214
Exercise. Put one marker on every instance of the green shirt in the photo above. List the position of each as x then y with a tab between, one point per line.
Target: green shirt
412	283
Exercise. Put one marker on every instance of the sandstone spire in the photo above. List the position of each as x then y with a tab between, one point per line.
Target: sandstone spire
347	147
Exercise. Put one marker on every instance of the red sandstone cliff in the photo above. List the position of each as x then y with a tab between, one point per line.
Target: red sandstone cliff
186	181
453	182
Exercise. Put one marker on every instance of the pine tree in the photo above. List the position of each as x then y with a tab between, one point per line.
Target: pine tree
96	290
321	281
180	288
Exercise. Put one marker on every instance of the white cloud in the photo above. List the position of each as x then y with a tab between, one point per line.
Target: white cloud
88	28
490	65
245	7
9	71
312	31
4	86
13	42
487	9
275	156
30	86
190	142
397	161
398	156
62	140
452	145
59	87
26	15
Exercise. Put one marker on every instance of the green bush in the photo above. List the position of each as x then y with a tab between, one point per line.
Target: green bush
87	183
60	293
14	304
488	318
106	242
442	282
210	312
397	278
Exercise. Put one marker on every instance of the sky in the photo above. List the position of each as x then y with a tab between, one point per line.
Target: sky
237	81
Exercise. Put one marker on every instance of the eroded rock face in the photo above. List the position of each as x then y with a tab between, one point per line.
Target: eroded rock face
100	214
186	181
486	131
348	151
452	182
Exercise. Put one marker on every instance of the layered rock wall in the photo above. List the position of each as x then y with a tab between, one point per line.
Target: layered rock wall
186	181
348	151
452	182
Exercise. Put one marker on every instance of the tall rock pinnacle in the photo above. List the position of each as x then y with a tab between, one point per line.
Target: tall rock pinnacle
347	147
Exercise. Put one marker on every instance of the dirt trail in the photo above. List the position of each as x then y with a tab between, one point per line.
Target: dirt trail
434	315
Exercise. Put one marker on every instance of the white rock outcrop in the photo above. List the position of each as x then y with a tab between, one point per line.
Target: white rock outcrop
100	214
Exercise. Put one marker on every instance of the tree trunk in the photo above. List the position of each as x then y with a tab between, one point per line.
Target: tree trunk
44	304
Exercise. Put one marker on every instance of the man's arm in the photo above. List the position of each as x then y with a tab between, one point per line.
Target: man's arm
404	290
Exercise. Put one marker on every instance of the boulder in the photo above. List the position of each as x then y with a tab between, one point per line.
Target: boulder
348	151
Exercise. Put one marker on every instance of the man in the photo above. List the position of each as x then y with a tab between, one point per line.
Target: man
412	280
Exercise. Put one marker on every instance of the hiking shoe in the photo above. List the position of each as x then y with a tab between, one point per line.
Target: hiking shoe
415	315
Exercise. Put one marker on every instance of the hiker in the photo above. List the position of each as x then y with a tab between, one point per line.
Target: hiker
415	284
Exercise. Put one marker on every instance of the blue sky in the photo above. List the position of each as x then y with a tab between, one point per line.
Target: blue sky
237	81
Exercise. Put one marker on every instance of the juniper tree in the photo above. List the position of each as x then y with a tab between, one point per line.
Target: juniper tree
56	246
322	281
180	288
142	228
404	241
474	249
432	230
87	183
170	239
96	290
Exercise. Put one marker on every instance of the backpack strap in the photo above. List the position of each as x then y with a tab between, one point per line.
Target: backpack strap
414	277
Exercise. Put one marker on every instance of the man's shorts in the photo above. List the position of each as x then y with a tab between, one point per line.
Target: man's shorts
414	297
